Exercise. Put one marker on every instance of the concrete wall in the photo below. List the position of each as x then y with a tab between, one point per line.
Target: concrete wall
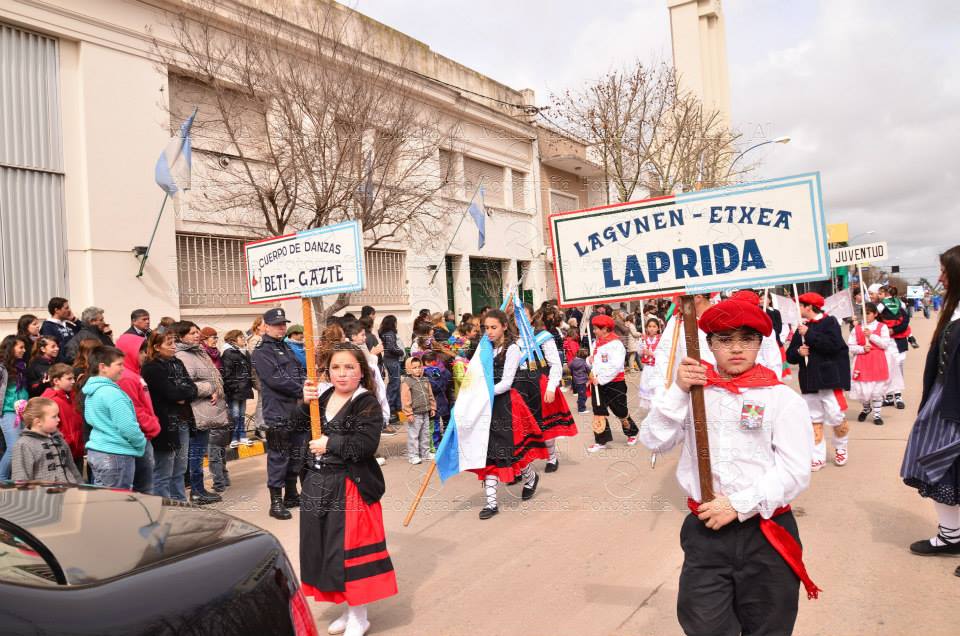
700	51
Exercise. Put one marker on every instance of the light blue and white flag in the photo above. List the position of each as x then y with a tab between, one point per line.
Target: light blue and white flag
173	167
479	214
464	443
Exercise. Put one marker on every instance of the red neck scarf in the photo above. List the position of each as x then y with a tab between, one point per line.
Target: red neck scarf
609	337
758	376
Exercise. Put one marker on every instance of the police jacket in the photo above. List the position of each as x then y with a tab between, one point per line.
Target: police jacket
281	379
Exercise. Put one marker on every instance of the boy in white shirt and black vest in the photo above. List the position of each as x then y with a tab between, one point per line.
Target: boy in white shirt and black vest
608	381
742	558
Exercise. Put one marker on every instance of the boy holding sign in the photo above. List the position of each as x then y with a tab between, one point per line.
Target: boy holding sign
742	559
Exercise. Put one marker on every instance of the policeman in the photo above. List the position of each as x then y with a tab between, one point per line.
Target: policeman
281	381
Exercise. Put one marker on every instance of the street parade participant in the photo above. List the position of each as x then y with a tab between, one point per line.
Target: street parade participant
515	439
281	385
931	462
820	350
343	551
608	381
742	558
648	359
555	419
868	342
894	314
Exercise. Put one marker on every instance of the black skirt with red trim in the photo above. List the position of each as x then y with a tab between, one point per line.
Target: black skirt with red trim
515	438
343	549
557	418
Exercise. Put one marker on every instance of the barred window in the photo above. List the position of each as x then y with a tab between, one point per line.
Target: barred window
211	270
386	279
492	175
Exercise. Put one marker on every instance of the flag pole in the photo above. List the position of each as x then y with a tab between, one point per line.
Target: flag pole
463	216
143	259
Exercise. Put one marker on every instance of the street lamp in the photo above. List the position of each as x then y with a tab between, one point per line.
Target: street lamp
778	140
861	234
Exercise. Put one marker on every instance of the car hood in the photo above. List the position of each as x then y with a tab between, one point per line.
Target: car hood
97	534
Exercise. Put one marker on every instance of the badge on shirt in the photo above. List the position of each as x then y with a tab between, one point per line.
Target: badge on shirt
751	416
604	358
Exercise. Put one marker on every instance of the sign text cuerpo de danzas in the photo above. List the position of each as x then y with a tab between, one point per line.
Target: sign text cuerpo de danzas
752	235
317	262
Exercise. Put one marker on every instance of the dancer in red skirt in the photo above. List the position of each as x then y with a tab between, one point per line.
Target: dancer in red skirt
515	438
555	420
343	551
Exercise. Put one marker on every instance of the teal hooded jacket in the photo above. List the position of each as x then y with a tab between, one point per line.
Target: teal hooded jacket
110	414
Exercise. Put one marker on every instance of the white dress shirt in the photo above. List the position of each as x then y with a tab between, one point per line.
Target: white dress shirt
759	463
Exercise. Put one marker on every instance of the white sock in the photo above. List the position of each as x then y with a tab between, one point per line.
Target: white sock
490	483
949	520
529	475
552	448
357	613
840	443
820	450
877	404
866	407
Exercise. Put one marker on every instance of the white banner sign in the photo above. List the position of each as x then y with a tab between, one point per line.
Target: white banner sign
839	305
853	254
788	309
317	262
753	235
915	291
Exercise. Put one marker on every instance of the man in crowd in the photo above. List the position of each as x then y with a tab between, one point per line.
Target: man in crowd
61	325
139	323
92	326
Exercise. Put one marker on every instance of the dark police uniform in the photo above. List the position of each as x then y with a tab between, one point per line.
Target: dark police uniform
281	391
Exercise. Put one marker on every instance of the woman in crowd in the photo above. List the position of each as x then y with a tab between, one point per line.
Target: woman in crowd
393	355
28	330
13	388
237	384
254	336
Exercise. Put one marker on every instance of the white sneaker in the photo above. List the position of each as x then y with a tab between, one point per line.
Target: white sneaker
338	626
381	460
248	442
840	457
430	457
415	460
817	465
234	443
632	440
596	448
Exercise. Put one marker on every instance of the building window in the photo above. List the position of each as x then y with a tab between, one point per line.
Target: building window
211	270
492	180
563	202
519	190
33	245
386	279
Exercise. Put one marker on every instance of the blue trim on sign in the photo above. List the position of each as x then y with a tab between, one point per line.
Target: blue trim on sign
361	283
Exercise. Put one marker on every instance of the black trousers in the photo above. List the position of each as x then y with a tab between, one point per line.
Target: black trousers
613	397
286	452
734	582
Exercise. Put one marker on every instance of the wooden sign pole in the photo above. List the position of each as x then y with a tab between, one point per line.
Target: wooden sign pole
315	430
692	333
416	500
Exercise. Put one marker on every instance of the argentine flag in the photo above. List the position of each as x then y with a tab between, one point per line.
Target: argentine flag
464	443
173	167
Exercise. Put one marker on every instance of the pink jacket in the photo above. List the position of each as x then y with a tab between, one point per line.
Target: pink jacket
133	385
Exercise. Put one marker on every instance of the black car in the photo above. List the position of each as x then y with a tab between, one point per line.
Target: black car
83	560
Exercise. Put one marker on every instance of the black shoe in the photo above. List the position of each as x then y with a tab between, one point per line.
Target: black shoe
552	466
486	513
888	400
528	491
863	416
957	571
925	548
900	404
877	420
219	489
277	509
291	498
913	343
204	498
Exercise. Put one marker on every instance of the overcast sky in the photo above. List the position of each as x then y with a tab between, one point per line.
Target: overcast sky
868	90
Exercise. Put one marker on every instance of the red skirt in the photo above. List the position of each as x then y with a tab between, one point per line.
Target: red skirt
361	562
515	438
557	418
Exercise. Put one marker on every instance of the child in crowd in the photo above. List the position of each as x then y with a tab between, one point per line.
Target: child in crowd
580	372
869	342
41	452
116	440
71	424
134	352
237	384
419	406
742	563
648	348
441	382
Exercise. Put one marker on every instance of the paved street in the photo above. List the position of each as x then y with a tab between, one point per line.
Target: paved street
597	550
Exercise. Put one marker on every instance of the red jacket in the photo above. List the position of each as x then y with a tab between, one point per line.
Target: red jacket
571	346
71	424
136	389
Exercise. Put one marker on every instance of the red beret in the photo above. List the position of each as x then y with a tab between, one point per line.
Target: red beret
734	313
602	321
812	298
747	296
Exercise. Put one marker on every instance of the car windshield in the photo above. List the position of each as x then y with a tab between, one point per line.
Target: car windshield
93	534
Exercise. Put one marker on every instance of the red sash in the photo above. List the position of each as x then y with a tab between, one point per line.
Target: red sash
758	376
785	545
870	367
